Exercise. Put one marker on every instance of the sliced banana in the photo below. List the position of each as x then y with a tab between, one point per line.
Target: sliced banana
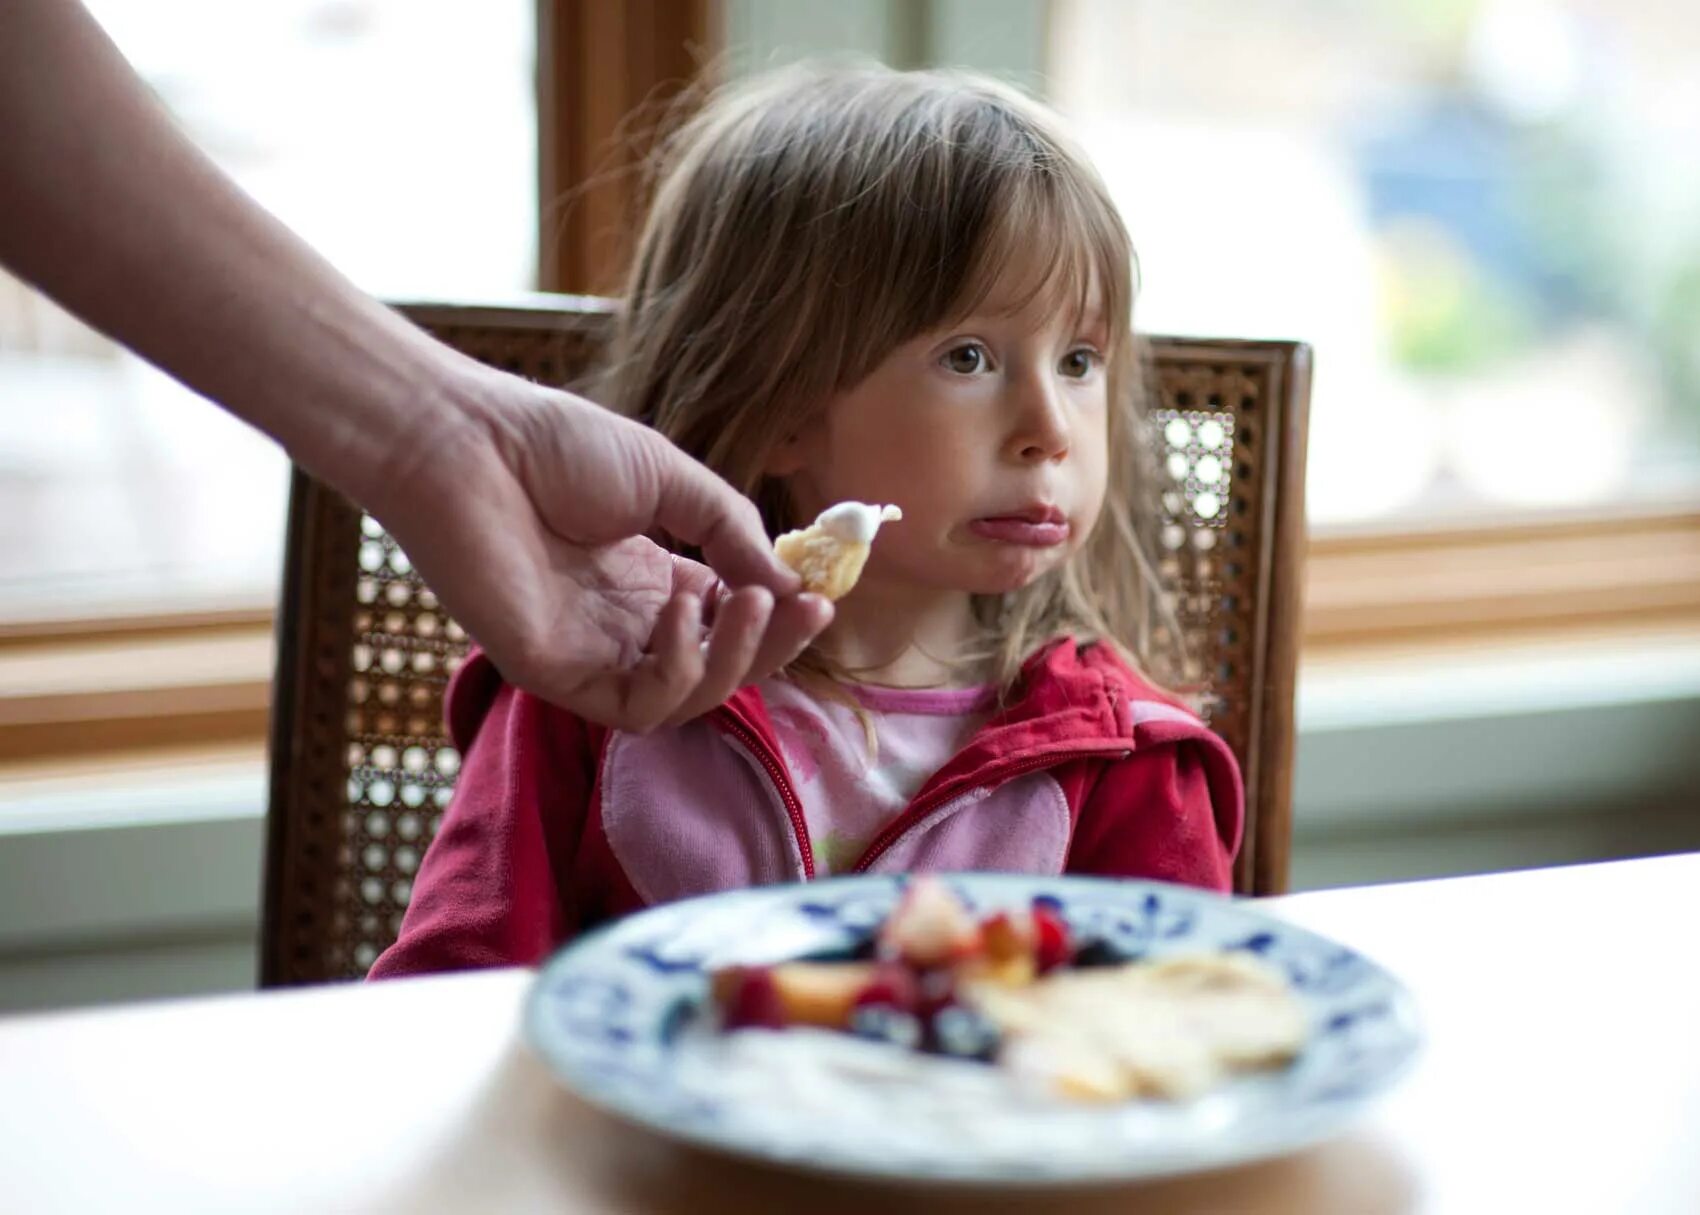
1172	1028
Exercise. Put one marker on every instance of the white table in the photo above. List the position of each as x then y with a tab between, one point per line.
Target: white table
1562	1074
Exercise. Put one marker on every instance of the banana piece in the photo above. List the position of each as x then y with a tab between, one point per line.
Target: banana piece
829	555
1172	1028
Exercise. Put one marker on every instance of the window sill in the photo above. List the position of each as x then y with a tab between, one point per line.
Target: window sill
1502	581
87	690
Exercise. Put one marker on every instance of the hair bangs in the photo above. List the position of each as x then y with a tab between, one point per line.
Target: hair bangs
1052	245
991	207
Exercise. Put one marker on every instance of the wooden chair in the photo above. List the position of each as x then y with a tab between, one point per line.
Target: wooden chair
361	762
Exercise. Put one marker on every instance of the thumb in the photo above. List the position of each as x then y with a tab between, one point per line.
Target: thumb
699	508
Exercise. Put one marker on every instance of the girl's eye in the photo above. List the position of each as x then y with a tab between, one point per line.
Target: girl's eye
1078	364
968	359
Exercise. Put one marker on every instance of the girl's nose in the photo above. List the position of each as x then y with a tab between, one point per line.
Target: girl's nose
1041	432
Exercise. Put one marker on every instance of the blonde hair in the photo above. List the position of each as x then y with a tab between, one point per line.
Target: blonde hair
806	224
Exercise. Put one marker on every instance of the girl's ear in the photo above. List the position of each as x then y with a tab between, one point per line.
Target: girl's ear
786	458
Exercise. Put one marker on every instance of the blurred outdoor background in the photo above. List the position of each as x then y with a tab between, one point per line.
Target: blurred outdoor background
1483	214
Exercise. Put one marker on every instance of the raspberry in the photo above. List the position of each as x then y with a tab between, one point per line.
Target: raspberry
1051	947
754	1002
892	986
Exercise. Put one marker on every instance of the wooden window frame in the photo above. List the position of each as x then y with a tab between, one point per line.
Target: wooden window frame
599	64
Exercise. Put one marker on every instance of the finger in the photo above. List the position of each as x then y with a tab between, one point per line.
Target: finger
665	676
796	621
699	580
699	508
730	651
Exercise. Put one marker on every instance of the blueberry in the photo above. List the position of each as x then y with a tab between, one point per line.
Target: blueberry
963	1033
862	949
882	1023
1096	951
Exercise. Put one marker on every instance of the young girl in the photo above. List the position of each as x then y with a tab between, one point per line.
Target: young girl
904	288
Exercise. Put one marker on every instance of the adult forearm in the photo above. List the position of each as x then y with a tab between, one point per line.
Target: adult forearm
107	208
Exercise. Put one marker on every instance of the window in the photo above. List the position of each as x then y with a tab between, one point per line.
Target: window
398	137
1481	213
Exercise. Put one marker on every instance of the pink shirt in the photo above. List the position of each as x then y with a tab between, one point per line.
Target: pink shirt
847	792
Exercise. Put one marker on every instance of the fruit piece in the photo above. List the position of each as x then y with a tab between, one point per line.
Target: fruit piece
1067	1068
1017	972
961	1032
749	998
820	993
1006	936
1051	945
935	990
929	927
1096	952
1007	949
891	985
882	1023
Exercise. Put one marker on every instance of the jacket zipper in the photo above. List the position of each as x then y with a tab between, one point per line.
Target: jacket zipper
903	823
782	783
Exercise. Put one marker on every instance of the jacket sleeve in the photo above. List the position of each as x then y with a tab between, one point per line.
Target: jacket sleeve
1170	812
487	892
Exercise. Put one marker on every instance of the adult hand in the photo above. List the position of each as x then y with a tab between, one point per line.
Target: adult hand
527	516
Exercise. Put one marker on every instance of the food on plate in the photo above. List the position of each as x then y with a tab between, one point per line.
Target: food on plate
1067	1017
829	554
1170	1028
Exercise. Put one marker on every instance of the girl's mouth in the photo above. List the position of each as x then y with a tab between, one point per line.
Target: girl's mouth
1041	527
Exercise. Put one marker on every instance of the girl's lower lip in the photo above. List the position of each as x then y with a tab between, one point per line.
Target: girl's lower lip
1020	531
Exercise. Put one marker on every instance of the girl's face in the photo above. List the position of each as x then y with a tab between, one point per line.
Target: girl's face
991	435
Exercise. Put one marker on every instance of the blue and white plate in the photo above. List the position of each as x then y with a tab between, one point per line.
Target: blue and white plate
620	1017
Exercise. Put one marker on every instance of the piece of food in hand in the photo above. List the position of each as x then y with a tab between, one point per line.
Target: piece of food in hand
829	554
929	927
